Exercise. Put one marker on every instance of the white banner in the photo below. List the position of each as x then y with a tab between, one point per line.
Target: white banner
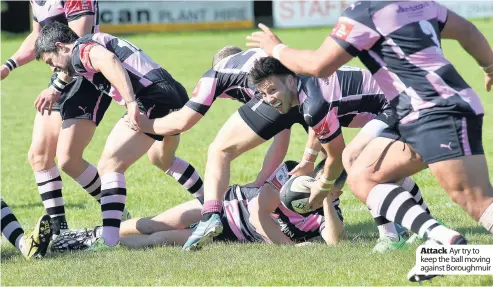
309	13
455	260
135	16
313	13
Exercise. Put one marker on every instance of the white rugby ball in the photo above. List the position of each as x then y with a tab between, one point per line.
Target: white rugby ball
294	194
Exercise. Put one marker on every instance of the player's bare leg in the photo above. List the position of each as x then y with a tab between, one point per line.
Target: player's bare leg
466	180
41	156
123	147
162	155
178	217
234	139
169	237
390	239
386	160
75	136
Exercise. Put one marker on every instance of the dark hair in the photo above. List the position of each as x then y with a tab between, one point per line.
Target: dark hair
50	35
266	67
223	53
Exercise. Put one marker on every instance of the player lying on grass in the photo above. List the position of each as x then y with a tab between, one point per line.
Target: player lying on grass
32	245
440	115
75	108
241	218
133	79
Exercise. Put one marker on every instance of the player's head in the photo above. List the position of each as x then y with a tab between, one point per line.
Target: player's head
223	53
275	82
54	46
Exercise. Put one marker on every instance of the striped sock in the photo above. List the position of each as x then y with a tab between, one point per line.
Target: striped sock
50	188
11	228
113	199
385	227
90	181
410	185
397	205
187	176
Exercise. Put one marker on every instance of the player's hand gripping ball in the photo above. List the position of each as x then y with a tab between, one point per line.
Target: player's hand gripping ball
295	194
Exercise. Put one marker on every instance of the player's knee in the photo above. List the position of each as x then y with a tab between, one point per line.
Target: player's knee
221	151
348	157
39	158
68	162
109	164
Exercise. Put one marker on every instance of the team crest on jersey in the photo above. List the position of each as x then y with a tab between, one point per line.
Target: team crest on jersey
322	128
342	30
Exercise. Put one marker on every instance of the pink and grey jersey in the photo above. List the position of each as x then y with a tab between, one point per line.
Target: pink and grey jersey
229	79
400	43
235	215
348	98
48	11
141	69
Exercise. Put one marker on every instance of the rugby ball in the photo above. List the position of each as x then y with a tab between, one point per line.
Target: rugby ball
295	194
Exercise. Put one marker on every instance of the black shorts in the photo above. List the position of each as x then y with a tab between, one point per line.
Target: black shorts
441	137
161	99
266	121
81	100
388	116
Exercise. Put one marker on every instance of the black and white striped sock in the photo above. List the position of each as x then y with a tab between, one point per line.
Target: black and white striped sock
187	176
90	181
398	206
11	228
113	199
50	188
412	187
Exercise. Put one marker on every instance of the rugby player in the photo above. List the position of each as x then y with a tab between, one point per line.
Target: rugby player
440	115
131	78
259	122
75	109
240	217
357	99
326	108
32	245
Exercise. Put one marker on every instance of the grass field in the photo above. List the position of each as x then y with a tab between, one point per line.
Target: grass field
187	56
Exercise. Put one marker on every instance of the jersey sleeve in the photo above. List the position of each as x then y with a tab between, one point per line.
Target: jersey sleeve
319	114
74	9
442	13
205	92
80	59
355	30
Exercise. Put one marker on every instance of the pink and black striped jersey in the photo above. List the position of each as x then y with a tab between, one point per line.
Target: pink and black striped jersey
142	70
229	79
48	11
348	98
298	227
400	43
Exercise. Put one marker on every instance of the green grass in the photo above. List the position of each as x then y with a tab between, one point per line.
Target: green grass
187	56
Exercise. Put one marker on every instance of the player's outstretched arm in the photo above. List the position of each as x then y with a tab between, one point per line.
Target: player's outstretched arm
174	123
473	41
274	157
24	54
260	209
320	63
333	229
